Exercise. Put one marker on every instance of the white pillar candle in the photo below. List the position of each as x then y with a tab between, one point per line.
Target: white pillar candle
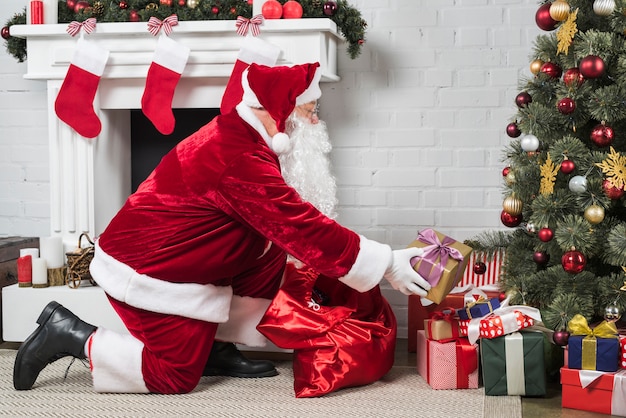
51	249
50	12
40	272
33	252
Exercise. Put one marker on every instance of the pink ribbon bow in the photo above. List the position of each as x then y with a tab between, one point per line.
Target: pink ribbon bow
155	25
254	24
435	255
88	26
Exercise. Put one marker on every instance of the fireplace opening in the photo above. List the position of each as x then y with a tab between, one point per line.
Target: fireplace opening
148	145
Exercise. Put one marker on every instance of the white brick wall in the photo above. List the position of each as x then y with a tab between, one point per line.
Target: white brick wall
417	122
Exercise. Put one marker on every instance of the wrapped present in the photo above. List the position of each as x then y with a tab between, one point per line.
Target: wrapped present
622	353
421	309
514	364
442	264
449	365
490	277
592	349
478	308
602	392
442	325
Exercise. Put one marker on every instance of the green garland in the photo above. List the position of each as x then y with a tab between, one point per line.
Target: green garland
348	19
16	46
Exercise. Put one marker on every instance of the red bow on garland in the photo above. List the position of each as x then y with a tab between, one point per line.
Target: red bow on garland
88	26
254	24
155	25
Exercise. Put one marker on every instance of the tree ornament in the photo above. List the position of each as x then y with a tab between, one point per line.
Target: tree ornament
510	178
535	66
192	4
543	18
573	78
72	3
134	16
215	10
602	135
510	220
167	3
530	228
566	105
272	9
559	10
611	191
523	99
603	7
578	184
566	33
81	6
561	337
551	69
505	171
513	130
502	296
541	258
592	66
573	261
614	167
182	3
529	143
6	34
292	10
480	267
548	171
512	205
329	8
567	166
545	234
612	313
594	214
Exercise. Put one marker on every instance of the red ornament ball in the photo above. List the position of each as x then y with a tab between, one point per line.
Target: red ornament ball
545	234
523	99
329	8
134	16
561	337
611	191
543	18
272	9
541	257
592	66
292	10
480	267
513	130
182	3
506	171
215	10
551	69
567	166
167	3
573	262
501	296
72	3
80	6
6	33
233	10
566	105
602	135
573	77
510	220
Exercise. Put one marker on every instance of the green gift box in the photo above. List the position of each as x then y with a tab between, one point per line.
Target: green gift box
514	364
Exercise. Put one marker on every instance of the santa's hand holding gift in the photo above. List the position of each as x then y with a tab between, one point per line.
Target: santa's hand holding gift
193	258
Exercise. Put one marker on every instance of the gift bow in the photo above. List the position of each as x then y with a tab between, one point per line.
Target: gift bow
254	24
447	314
88	26
436	250
480	301
155	25
578	326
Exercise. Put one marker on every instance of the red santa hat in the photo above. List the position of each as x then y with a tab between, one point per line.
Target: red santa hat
279	90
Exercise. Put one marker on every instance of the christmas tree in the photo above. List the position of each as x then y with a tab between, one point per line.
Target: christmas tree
566	168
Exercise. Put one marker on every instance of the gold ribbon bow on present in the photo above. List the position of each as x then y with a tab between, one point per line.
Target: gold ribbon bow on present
480	301
578	326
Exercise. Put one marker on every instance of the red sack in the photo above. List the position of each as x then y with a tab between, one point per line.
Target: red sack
340	337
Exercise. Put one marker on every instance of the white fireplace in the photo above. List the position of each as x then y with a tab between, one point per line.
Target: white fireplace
91	178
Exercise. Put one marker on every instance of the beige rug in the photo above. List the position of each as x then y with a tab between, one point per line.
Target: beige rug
402	393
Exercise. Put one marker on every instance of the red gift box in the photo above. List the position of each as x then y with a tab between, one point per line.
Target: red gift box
491	326
603	392
622	353
447	365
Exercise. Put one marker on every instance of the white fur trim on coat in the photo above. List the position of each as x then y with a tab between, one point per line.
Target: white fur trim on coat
205	302
116	363
370	265
245	315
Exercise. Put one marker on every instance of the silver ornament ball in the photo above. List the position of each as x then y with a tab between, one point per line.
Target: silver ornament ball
529	143
612	313
578	184
603	7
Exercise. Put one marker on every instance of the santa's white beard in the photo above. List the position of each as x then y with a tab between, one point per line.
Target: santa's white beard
306	167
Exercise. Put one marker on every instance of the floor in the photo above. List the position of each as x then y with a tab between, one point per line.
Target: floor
547	407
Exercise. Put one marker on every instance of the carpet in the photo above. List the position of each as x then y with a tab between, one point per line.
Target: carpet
401	393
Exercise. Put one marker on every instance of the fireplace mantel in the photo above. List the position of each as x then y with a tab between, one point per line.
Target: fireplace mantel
90	178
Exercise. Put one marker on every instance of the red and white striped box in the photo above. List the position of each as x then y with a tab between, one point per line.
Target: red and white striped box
622	351
490	277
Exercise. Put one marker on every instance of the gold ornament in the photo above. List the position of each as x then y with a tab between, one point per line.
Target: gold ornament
603	7
512	205
594	214
548	173
510	178
559	10
535	66
152	7
615	169
566	32
192	4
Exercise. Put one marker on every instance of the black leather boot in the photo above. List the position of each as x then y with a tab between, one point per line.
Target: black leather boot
60	333
226	360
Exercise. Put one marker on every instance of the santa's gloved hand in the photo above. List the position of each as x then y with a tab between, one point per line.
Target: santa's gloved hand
401	275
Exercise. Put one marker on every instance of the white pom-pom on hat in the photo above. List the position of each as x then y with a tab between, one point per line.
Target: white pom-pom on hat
281	143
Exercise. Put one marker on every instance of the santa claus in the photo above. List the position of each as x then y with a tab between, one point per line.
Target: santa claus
193	258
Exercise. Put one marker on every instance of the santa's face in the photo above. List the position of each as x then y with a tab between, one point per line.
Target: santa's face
306	167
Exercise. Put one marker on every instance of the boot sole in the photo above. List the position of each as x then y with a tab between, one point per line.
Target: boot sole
230	373
41	320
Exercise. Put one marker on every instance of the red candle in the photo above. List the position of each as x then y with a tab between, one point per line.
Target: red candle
36	12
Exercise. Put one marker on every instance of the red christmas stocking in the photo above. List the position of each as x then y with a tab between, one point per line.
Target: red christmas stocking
74	103
253	50
165	70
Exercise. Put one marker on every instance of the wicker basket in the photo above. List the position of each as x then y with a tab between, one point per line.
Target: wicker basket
78	263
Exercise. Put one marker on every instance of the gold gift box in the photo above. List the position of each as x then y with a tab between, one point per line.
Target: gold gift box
452	271
439	329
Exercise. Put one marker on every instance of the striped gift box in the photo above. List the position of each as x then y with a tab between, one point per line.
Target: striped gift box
490	277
